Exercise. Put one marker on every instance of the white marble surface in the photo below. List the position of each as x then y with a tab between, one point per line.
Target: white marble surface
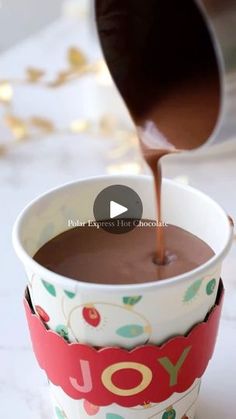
34	167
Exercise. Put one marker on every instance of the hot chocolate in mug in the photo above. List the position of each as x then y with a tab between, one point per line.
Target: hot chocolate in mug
122	315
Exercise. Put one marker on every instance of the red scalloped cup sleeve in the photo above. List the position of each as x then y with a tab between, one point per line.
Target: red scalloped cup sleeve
127	377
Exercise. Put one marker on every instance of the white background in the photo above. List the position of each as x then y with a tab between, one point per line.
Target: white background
19	18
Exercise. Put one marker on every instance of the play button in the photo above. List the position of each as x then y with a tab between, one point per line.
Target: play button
117	209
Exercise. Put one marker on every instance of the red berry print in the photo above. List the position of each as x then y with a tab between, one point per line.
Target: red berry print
90	408
42	314
91	316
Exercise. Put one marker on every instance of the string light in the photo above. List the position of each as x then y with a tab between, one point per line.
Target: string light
170	413
42	314
91	315
37	127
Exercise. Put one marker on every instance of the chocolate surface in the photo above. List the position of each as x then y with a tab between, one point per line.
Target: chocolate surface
93	255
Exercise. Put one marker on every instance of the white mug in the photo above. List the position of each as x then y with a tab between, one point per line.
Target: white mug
122	315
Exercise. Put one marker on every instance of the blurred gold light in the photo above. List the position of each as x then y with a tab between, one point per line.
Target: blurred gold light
17	126
133	168
76	58
6	92
80	125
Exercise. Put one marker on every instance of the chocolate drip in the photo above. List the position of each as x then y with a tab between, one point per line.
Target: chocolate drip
162	59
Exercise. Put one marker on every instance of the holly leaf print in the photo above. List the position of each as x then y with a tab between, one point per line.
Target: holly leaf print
210	288
70	294
131	301
62	330
59	413
192	290
49	287
130	331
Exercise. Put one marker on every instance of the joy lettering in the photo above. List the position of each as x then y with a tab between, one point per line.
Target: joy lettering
147	376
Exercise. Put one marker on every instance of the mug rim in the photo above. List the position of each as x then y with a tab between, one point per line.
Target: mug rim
72	284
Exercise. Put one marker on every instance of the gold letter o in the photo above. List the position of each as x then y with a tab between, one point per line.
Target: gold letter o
109	371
